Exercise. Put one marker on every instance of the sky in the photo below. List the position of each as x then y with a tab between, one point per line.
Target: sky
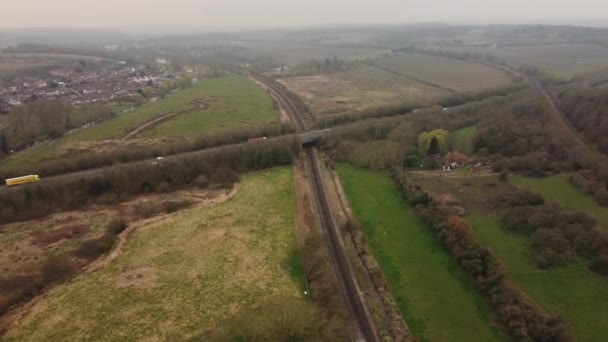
274	13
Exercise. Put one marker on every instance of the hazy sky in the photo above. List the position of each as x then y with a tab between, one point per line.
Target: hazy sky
265	13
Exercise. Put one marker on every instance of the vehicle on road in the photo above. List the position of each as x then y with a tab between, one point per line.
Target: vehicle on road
22	180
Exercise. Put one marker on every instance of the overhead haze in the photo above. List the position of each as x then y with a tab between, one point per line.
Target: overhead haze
269	13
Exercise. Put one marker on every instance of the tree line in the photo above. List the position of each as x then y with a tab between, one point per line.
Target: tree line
34	121
517	314
220	166
88	161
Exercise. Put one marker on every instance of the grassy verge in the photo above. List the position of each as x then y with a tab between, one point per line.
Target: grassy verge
557	189
183	275
438	301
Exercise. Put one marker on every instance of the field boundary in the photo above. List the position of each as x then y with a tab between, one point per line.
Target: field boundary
412	78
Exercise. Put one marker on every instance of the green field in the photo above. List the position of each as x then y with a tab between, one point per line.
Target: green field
361	88
559	190
575	293
450	73
232	101
184	274
28	157
438	301
559	60
462	139
579	296
81	116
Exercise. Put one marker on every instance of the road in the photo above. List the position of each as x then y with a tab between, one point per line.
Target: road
352	296
151	162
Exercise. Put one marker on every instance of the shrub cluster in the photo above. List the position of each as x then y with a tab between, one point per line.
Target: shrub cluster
520	317
56	268
586	109
591	186
94	248
558	237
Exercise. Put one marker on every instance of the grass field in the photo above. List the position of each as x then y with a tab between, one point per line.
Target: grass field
359	89
28	157
559	190
462	139
184	274
81	116
450	73
232	101
579	296
438	301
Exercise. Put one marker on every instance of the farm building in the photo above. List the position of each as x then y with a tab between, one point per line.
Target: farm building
456	159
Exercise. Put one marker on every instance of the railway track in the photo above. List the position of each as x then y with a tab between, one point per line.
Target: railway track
363	324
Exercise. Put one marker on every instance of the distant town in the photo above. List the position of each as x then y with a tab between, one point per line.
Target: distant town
106	81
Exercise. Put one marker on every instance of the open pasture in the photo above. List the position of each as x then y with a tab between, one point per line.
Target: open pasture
228	102
438	301
210	104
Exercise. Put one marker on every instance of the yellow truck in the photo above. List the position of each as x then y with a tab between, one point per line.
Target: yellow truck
22	180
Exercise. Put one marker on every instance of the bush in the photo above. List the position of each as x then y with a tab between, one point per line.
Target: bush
201	181
94	248
504	176
116	226
56	268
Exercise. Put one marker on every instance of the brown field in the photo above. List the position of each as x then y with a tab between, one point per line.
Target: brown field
362	88
182	275
25	247
450	73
